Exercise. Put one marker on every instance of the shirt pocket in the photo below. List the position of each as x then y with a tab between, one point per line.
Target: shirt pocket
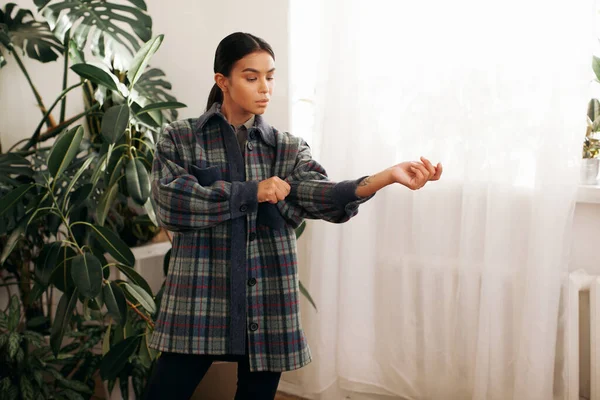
268	215
206	176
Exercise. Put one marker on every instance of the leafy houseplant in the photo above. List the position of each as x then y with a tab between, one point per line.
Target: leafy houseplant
591	145
63	206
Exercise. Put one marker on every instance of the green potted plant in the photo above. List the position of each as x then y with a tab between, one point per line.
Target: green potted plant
591	146
62	206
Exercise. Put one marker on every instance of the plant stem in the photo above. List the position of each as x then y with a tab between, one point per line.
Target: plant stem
62	216
145	144
63	104
30	152
50	122
49	304
50	133
34	139
138	312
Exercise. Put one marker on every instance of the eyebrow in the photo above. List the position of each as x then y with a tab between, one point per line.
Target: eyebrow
256	71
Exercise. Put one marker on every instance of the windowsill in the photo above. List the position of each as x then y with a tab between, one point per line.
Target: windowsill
588	194
151	250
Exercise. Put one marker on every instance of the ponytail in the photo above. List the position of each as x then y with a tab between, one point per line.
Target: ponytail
215	96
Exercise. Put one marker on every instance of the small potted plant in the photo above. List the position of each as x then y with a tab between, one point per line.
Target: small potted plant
590	165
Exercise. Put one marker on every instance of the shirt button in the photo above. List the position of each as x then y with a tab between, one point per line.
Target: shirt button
244	208
250	146
251	281
252	135
252	237
253	326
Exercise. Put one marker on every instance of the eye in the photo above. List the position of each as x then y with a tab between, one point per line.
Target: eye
270	78
250	79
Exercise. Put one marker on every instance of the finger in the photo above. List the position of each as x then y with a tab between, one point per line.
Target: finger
280	194
429	166
419	177
284	187
438	172
423	169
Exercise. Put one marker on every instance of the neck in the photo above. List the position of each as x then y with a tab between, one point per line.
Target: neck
235	115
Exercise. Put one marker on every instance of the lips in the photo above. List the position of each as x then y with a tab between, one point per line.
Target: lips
262	101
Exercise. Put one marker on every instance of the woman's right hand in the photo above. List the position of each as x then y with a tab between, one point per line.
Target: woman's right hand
273	190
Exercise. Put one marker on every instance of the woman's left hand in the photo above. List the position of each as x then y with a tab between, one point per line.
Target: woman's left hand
414	175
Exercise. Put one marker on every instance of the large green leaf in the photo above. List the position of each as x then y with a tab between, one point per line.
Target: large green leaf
86	271
593	109
14	315
61	276
149	207
34	37
117	357
135	278
165	105
14	237
115	246
2	58
596	66
114	298
141	296
77	175
75	54
142	58
47	261
114	122
147	354
13	165
300	229
106	340
307	295
80	194
148	118
98	169
64	311
109	24
138	182
114	167
96	75
155	89
104	204
12	198
64	151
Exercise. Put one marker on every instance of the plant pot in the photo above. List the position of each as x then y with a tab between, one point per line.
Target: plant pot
589	171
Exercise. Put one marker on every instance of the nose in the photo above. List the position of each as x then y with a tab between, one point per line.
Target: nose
264	86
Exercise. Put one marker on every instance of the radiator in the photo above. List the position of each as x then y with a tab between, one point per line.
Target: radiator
578	314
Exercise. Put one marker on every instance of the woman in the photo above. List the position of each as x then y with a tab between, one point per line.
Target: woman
233	189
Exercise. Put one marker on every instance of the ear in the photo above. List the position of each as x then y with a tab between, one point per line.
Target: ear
222	81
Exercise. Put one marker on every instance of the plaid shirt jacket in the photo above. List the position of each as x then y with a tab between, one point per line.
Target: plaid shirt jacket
232	286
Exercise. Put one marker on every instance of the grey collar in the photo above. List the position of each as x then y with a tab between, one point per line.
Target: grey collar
266	131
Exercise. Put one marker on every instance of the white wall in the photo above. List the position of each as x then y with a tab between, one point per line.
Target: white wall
192	32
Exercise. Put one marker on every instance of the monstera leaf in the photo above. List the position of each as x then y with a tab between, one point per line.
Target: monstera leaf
105	21
18	28
154	88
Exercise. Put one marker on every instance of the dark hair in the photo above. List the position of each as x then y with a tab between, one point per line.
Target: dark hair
232	49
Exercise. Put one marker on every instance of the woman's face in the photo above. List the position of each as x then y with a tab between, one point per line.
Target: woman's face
251	82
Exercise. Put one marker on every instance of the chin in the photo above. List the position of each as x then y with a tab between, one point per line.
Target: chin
259	110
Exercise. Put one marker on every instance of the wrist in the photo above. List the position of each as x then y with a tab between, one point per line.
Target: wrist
371	184
388	176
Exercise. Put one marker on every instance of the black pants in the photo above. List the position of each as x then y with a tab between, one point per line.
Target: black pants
176	377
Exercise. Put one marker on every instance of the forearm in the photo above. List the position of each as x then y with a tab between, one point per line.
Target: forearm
371	184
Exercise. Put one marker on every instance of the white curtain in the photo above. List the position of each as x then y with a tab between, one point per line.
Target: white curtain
452	292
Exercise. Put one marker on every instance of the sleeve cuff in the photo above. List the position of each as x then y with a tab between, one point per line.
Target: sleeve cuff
344	193
243	199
